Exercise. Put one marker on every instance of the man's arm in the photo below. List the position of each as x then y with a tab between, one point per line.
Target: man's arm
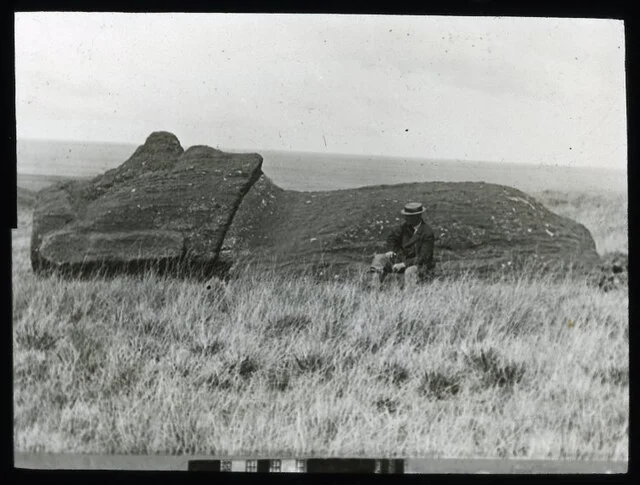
394	240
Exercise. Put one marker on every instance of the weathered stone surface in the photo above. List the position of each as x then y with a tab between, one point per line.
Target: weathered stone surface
479	227
179	203
92	247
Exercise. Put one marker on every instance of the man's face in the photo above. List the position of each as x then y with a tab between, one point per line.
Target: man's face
412	220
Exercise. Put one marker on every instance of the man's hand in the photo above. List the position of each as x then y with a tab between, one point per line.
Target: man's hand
390	254
398	267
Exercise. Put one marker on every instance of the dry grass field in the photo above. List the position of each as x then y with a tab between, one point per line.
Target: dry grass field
459	368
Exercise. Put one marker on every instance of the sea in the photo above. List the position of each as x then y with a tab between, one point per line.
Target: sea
41	161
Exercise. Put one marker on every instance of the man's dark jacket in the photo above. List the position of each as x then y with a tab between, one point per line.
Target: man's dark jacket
413	249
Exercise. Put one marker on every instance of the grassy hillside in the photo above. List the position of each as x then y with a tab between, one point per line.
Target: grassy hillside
459	368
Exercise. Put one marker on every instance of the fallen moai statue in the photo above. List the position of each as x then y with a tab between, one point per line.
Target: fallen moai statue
479	227
163	208
206	212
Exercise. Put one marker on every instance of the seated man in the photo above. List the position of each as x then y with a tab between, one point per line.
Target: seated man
410	249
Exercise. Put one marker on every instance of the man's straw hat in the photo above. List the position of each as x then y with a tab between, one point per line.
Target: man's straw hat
412	209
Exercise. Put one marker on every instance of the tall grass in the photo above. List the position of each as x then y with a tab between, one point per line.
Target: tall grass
266	365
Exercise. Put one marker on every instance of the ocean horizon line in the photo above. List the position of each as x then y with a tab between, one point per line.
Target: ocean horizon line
377	156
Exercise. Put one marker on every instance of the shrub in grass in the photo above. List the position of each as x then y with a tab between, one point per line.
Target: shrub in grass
365	344
329	428
123	381
310	363
208	349
349	361
314	363
331	329
55	395
616	376
32	337
394	373
278	378
32	367
439	385
214	382
245	367
496	370
287	325
386	405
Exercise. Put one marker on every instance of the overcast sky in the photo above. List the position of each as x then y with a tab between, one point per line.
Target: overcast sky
529	90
